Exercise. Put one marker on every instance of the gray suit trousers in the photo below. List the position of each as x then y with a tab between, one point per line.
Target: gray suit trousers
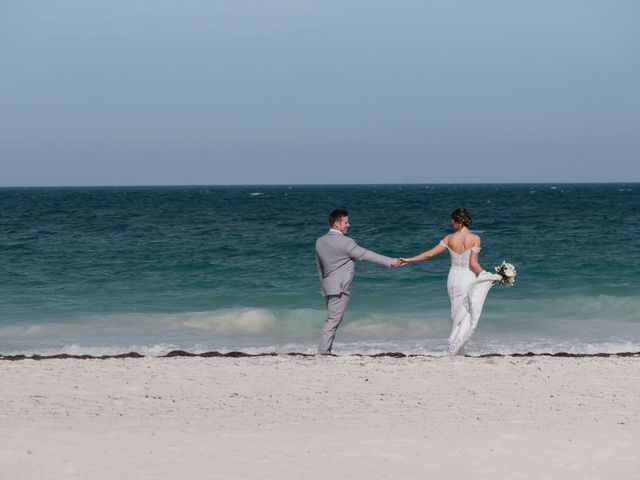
336	306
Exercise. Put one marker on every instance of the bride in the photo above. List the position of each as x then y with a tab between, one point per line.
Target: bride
468	283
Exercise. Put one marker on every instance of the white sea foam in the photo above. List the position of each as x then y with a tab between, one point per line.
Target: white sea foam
509	346
146	350
430	347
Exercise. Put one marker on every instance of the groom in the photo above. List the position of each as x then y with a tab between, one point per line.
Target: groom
336	254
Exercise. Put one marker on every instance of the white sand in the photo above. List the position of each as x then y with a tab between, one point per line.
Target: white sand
320	418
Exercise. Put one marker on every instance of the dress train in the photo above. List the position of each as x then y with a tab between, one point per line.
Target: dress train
466	313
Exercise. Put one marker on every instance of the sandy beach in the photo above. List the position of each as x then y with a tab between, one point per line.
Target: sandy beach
320	417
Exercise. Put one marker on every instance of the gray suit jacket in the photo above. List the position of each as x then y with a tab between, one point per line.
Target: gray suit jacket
336	255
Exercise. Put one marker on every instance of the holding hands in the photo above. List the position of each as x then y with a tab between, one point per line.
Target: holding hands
399	262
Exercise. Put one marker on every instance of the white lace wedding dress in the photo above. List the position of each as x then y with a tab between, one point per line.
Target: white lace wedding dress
467	294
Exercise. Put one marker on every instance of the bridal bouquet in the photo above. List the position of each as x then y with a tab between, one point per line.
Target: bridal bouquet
507	272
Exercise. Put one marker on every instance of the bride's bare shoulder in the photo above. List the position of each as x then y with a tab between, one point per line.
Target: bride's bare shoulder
474	238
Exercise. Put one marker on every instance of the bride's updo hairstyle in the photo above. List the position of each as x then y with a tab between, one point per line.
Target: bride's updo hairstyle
462	217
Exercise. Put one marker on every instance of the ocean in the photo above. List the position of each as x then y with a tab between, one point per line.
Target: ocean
110	270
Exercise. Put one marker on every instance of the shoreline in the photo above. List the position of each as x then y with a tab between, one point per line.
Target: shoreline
237	354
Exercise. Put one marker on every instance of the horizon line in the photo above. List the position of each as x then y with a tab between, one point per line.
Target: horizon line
217	185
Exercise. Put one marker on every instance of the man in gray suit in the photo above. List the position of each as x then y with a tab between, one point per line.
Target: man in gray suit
336	254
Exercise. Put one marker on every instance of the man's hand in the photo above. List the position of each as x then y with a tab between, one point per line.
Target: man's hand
396	262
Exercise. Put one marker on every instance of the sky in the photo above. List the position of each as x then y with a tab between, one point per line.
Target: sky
215	92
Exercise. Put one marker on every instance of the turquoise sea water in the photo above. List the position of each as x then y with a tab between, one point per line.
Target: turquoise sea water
112	270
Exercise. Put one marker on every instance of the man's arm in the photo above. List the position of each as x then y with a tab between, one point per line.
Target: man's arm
319	265
358	253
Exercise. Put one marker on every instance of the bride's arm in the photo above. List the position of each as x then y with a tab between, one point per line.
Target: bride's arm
425	255
474	264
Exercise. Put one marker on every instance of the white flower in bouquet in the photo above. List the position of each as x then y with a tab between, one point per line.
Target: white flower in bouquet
507	272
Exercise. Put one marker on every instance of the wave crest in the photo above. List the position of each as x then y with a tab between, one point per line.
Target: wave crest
232	321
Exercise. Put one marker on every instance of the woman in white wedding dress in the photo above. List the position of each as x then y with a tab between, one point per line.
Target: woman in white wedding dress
467	283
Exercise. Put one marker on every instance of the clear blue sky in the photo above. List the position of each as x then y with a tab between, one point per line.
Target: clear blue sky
157	92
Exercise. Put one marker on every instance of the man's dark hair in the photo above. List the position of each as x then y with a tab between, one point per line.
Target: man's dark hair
337	215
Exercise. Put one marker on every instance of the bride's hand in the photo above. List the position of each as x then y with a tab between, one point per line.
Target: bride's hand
404	261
